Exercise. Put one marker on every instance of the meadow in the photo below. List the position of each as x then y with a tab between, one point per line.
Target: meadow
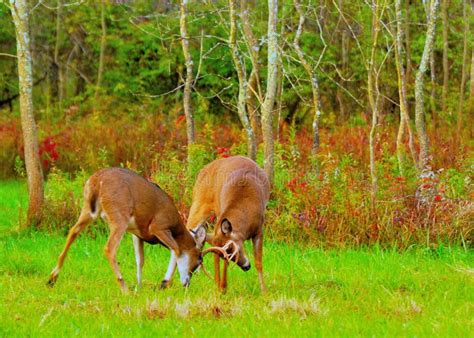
369	228
312	291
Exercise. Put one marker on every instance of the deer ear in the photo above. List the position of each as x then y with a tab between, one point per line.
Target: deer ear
199	234
226	227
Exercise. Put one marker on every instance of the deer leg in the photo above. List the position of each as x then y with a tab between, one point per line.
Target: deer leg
223	284
170	272
176	258
257	252
84	219
117	230
217	269
139	258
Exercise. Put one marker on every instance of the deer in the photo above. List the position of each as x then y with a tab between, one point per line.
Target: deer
130	203
236	190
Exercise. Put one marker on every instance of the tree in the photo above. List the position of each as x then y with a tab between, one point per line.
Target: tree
470	108
402	93
20	15
445	54
373	95
242	77
312	77
419	88
56	77
254	91
465	61
103	41
268	103
187	103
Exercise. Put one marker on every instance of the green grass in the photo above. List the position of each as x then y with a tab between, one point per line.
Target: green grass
312	292
13	204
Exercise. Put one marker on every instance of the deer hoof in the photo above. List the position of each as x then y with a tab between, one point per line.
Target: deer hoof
164	284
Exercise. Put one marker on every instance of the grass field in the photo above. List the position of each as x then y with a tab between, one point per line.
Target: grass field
312	292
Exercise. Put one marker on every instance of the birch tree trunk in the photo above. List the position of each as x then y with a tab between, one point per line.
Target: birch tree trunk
103	40
19	9
254	95
445	55
419	88
373	95
402	92
465	60
312	76
267	108
242	76
188	111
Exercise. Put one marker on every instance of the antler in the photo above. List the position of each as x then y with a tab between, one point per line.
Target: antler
222	251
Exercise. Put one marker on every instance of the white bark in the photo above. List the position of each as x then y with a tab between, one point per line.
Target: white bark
402	91
419	88
267	108
312	76
187	100
372	92
242	76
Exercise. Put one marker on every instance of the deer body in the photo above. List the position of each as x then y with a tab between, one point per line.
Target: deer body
130	203
236	190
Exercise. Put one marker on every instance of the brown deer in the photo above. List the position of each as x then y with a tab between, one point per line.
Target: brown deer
129	202
236	190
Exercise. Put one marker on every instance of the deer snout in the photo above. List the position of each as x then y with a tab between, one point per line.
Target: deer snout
245	265
246	268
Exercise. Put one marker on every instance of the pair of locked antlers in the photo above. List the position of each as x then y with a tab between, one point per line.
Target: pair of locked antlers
228	257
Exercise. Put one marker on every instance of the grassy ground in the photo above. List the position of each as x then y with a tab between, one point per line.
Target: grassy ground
312	292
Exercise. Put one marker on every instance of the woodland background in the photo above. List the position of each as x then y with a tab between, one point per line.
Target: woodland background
108	83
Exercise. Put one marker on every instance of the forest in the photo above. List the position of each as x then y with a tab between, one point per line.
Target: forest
360	114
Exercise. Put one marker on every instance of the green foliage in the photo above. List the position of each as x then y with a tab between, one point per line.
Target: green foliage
64	197
144	62
457	183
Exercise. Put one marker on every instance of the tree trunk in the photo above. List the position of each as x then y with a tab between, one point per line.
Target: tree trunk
402	92
267	108
419	89
280	76
432	73
242	76
470	109
373	99
433	90
59	81
187	103
445	55
312	76
465	60
345	62
103	40
33	165
408	42
254	95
